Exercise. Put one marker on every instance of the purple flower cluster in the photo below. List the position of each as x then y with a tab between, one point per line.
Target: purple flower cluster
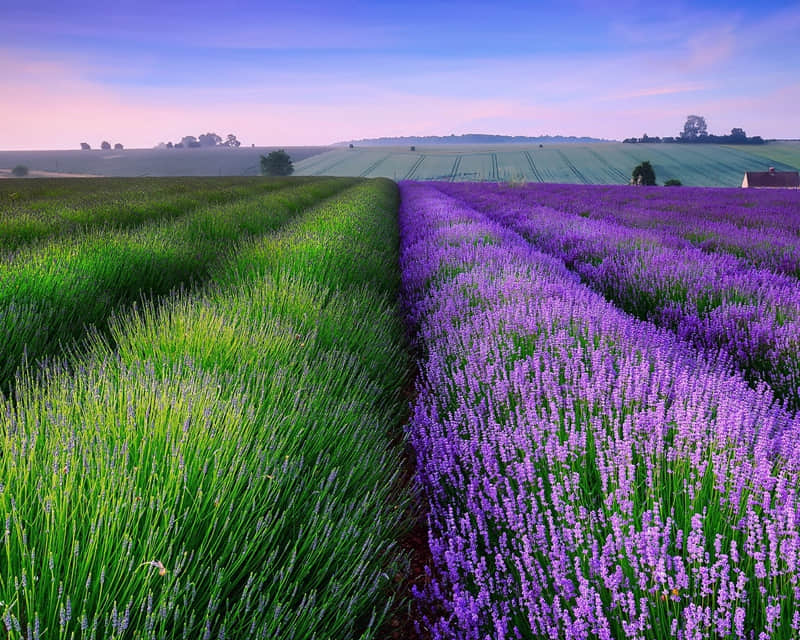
762	227
589	475
714	300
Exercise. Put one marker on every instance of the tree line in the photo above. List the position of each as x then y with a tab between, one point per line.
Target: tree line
187	142
695	131
203	140
105	145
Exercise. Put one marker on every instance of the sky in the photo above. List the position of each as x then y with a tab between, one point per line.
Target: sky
140	72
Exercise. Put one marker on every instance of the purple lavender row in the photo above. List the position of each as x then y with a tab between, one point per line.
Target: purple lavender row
761	227
588	476
753	208
715	301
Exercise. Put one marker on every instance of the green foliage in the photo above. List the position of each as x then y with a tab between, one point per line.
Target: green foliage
694	128
209	139
20	171
50	294
231	141
52	207
225	469
738	134
644	174
673	182
277	163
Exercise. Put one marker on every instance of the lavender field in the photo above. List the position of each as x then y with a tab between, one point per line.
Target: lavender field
606	423
206	427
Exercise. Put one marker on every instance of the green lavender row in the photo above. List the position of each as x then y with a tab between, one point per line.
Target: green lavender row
49	294
224	472
34	210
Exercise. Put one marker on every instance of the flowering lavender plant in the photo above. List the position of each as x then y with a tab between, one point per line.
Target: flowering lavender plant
589	475
715	300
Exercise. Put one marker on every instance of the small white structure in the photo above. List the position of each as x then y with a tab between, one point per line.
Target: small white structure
771	179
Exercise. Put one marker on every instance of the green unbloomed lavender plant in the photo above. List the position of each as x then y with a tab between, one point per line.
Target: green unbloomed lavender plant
49	295
32	211
224	471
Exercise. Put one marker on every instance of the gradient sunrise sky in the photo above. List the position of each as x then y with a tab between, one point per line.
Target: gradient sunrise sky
307	73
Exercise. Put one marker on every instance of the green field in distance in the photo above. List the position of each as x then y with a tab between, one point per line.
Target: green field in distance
705	165
599	163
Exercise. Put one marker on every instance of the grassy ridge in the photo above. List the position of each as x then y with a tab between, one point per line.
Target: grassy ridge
48	295
225	472
32	210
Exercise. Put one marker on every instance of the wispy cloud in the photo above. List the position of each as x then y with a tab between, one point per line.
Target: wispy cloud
651	92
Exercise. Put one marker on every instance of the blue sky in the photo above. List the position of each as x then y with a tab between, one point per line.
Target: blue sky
297	73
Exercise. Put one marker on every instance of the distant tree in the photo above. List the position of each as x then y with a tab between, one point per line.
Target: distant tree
178	145
118	146
673	182
105	145
189	141
85	146
412	148
738	135
644	174
209	140
350	145
169	145
20	171
231	141
277	163
694	128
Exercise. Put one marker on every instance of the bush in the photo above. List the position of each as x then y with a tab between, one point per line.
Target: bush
644	174
20	171
277	163
673	182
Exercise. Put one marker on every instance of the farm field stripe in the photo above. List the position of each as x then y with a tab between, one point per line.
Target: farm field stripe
573	168
754	160
615	171
414	167
456	165
532	165
336	163
309	164
233	449
50	295
374	165
588	475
